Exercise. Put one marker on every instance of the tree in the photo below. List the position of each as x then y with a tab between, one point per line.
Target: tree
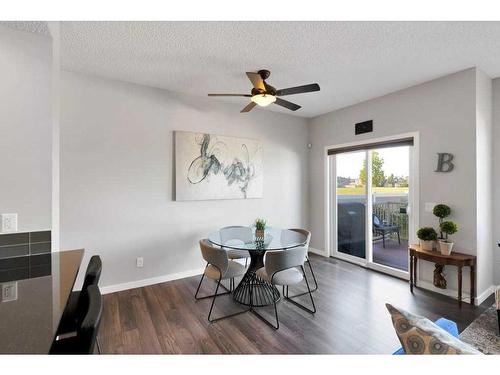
392	180
403	181
378	176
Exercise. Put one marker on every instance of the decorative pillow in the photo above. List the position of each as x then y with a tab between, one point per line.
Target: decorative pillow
419	335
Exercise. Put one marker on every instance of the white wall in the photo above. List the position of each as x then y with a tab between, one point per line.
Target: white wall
54	27
25	128
496	178
116	175
484	179
444	112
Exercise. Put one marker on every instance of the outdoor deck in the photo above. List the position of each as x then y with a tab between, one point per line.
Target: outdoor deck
393	255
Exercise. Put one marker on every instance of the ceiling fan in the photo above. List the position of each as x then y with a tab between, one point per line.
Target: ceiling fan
263	94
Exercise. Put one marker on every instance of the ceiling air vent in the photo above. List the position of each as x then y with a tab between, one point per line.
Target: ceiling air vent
363	127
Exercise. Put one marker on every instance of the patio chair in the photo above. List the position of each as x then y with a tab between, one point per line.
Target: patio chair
381	228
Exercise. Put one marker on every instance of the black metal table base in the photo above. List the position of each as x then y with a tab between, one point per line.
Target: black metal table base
254	292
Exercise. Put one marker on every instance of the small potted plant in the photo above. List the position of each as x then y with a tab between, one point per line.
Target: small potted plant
441	211
448	228
260	226
427	236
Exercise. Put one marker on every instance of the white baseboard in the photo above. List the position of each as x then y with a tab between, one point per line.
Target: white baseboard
151	281
318	252
488	292
454	293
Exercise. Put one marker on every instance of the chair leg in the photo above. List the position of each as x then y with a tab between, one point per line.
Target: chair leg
275	326
98	345
246	261
276	314
399	239
309	289
223	286
210	296
383	240
199	285
215	295
213	300
313	311
301	294
314	277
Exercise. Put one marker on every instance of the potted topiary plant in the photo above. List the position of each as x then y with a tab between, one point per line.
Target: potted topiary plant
441	211
427	236
260	227
448	228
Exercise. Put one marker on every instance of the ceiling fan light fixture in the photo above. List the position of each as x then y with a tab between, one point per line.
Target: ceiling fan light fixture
263	94
263	100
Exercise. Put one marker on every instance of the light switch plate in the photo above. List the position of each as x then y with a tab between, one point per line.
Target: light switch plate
9	292
429	206
140	262
9	223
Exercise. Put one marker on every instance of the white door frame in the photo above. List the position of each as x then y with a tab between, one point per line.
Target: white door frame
331	203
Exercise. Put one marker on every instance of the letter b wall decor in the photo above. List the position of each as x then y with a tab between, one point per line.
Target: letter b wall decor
445	162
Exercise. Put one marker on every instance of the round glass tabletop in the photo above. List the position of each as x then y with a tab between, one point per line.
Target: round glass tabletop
243	238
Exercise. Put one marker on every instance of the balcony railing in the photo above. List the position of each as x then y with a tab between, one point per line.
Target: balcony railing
391	213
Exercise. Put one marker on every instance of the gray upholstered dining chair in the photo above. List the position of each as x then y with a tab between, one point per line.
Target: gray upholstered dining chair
306	233
218	268
280	268
237	233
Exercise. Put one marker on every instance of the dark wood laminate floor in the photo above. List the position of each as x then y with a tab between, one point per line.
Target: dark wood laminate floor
351	317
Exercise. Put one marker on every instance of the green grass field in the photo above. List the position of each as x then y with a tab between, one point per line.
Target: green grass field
381	190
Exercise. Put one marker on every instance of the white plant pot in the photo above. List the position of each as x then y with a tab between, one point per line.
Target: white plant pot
445	247
427	245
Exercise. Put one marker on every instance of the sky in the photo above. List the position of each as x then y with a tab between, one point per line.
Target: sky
396	161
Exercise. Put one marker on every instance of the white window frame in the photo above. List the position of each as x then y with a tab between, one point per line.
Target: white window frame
331	203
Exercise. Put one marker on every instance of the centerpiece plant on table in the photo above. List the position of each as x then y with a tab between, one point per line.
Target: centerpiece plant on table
260	227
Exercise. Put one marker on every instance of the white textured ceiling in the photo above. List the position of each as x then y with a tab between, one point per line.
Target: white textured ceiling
37	27
352	61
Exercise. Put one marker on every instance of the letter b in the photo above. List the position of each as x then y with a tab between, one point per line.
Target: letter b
445	162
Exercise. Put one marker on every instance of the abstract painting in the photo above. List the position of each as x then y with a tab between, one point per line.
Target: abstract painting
209	166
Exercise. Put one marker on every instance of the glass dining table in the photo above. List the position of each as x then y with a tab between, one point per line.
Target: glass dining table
253	291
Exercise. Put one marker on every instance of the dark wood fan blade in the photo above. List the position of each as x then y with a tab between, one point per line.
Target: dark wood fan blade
298	90
249	107
245	95
285	103
256	80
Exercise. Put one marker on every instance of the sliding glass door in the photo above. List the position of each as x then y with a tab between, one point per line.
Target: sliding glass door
371	200
351	204
390	187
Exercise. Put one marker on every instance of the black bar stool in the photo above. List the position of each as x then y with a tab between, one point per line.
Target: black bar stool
76	308
86	332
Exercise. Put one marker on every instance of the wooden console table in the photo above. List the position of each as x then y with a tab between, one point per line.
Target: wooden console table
454	259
